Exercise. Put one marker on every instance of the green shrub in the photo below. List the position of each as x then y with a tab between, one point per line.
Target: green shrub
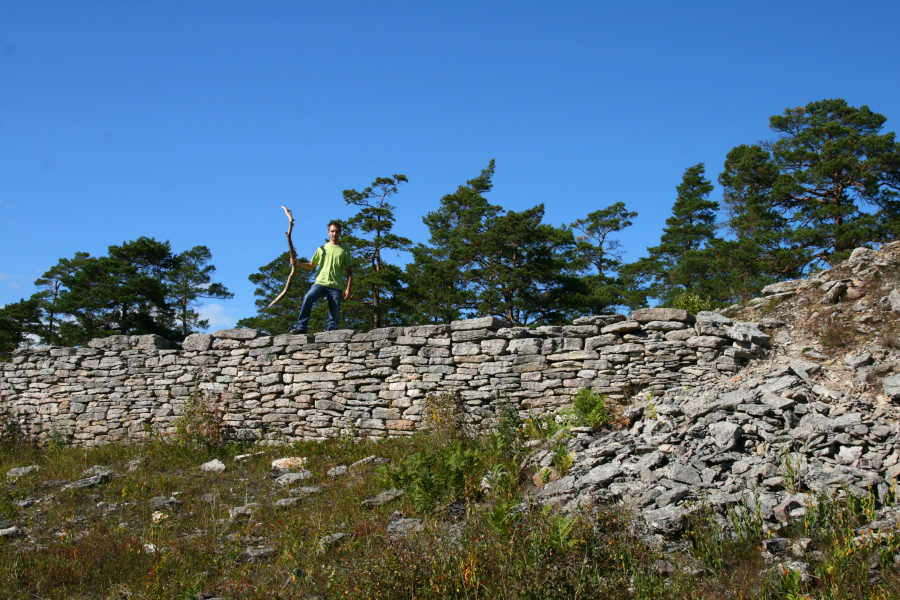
693	303
438	475
201	421
589	409
509	435
445	417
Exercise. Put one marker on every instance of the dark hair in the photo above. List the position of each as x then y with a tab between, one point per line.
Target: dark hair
336	224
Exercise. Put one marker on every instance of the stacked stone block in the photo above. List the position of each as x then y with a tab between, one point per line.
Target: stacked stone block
305	387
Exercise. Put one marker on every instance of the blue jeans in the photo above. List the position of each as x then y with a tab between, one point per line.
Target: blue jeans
334	306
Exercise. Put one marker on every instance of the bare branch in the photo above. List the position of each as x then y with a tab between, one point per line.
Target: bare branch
293	257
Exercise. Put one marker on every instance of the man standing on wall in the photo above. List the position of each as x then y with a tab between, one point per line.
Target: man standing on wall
333	261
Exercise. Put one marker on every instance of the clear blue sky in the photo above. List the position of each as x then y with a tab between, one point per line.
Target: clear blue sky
194	121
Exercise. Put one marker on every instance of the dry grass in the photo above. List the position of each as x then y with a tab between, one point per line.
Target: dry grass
94	543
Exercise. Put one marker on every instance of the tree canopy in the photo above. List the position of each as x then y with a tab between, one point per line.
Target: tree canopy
827	183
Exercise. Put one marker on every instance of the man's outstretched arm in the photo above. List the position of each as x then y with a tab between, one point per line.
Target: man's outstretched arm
305	266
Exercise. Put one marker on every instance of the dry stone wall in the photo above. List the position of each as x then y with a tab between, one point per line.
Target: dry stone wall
311	387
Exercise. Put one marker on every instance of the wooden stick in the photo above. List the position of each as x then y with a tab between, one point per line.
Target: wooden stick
293	255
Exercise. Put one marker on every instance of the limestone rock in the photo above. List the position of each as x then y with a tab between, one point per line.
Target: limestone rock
782	287
646	315
149	342
289	478
198	342
287	464
14	474
237	334
480	323
213	466
383	498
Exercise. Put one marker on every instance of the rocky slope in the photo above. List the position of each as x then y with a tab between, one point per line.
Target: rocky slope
815	417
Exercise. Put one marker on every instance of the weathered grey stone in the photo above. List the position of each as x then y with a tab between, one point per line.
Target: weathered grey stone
748	332
646	315
804	370
705	341
213	466
726	435
288	502
383	498
237	334
600	320
289	463
857	360
89	481
683	474
113	342
525	346
480	323
338	335
253	555
331	540
621	327
149	342
834	293
664	325
198	342
891	386
399	527
708	316
289	478
14	474
288	339
9	532
782	287
894	300
602	474
676	494
680	335
666	520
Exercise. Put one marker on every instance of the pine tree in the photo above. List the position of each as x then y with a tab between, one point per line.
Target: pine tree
838	178
369	236
681	260
595	249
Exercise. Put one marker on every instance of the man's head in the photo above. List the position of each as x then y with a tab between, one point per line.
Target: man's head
334	232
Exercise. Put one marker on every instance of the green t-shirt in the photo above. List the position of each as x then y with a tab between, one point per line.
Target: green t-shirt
333	260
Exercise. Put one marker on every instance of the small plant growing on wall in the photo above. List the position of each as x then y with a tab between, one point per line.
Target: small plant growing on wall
201	422
590	409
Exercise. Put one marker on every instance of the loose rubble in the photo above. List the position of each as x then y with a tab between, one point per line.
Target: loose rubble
805	421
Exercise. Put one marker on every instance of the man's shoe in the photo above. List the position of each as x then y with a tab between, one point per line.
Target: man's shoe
298	332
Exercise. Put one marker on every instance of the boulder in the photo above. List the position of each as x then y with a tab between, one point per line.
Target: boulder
198	342
891	386
782	287
213	466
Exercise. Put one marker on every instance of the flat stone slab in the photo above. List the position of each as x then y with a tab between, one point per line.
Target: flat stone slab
237	334
646	315
782	287
383	498
338	335
14	474
622	327
289	478
481	323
